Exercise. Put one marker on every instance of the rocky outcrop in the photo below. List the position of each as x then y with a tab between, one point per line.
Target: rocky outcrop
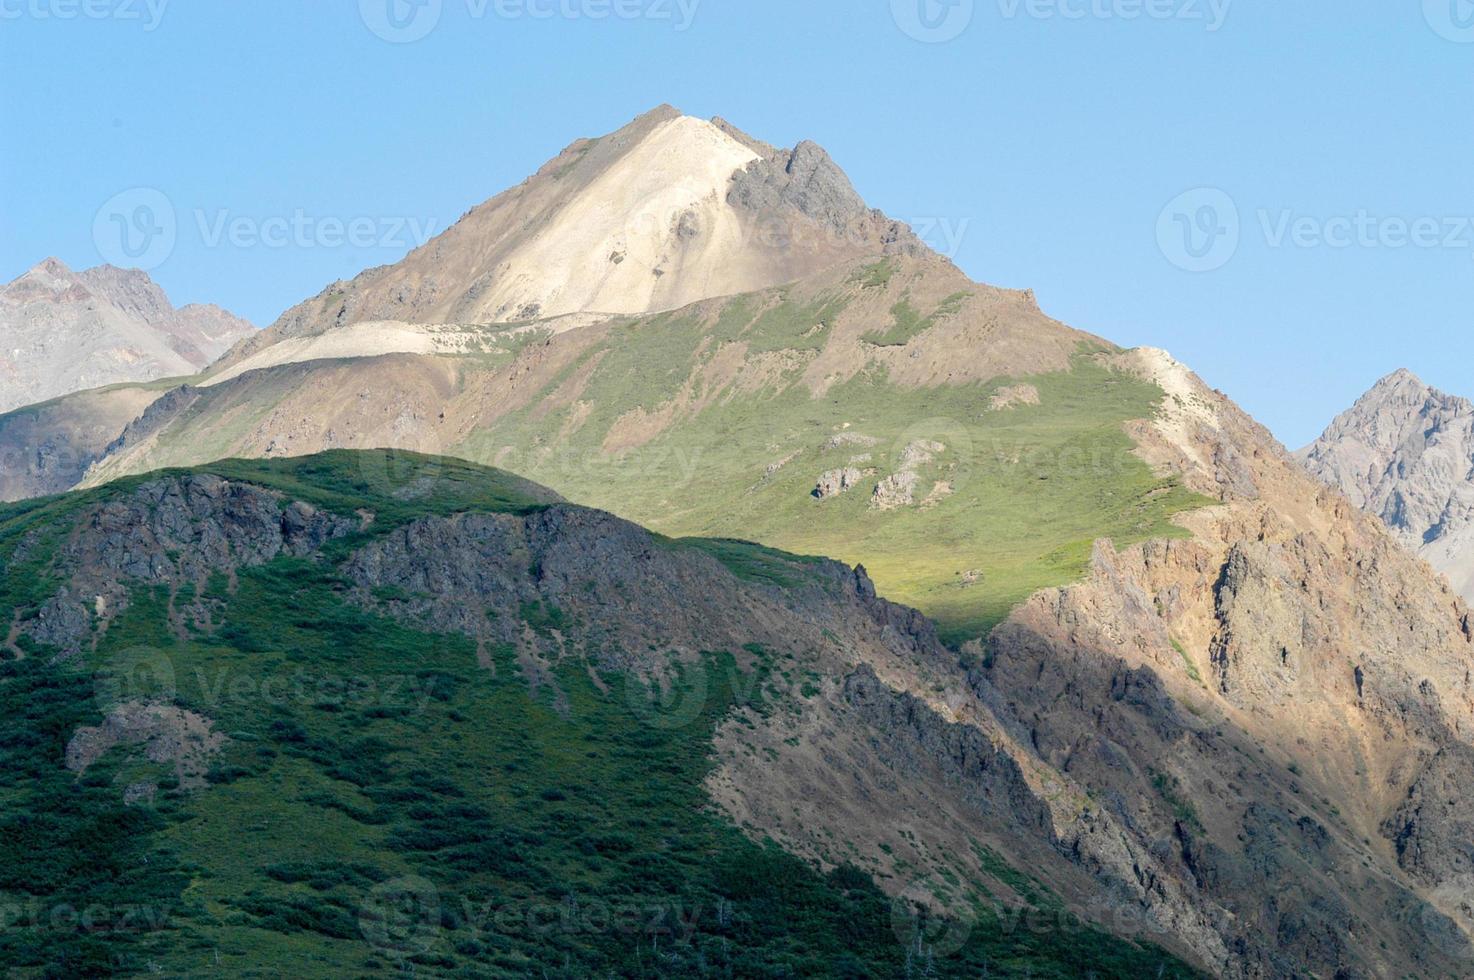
168	734
896	490
1013	396
832	483
899	489
806	180
1405	452
168	532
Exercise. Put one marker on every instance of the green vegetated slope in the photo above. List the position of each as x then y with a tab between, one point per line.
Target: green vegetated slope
1017	496
386	805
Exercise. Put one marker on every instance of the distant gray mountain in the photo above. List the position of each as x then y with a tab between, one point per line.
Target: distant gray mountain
1405	452
63	331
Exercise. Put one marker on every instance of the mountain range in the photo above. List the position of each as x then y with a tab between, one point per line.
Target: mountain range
1086	642
63	331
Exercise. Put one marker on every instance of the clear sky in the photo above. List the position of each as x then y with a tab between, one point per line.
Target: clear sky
1326	235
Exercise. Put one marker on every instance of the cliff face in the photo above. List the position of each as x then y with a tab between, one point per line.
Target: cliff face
1405	453
1294	684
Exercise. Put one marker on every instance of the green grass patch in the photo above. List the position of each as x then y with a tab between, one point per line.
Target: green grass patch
1031	489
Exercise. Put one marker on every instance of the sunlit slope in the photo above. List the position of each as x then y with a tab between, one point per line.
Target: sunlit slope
982	445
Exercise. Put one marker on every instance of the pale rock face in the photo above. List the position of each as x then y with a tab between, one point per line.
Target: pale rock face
660	211
665	212
1405	452
63	331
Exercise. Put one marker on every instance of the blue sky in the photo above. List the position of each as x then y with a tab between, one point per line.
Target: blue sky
1310	159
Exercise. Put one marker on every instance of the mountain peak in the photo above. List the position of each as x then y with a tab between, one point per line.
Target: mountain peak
1407	396
130	290
70	331
1404	452
53	266
1401	379
667	211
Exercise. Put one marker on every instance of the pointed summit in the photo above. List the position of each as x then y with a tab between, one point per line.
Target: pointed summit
666	211
1401	380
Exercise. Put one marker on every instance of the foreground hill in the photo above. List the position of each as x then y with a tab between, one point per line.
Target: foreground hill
1405	452
367	713
63	331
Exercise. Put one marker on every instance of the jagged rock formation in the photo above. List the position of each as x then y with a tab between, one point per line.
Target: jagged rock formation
1287	679
1405	452
63	331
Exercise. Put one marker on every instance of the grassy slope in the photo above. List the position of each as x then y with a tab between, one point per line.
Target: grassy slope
384	805
1034	486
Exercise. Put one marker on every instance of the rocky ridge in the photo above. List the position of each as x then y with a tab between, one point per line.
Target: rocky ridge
1405	453
63	331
